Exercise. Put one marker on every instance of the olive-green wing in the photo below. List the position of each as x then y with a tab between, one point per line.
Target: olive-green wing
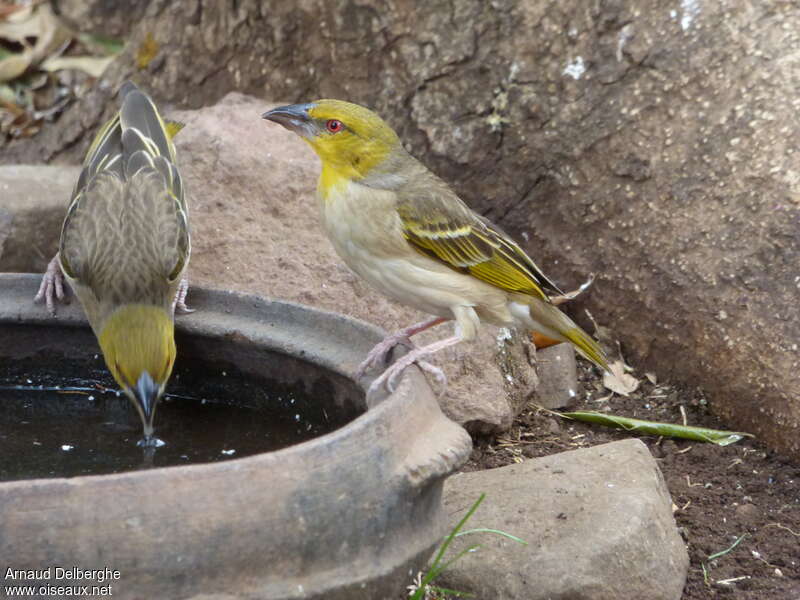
437	223
134	137
127	221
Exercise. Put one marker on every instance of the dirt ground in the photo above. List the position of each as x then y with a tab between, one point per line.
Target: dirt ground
720	494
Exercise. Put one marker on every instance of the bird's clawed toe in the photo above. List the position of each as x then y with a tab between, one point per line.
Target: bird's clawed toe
52	287
378	356
179	303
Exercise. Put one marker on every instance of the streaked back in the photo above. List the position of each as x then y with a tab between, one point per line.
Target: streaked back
126	236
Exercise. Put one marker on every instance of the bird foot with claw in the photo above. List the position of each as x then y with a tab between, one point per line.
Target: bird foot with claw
179	304
389	377
52	287
378	355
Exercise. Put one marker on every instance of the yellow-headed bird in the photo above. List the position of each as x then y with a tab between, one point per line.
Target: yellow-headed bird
406	232
125	247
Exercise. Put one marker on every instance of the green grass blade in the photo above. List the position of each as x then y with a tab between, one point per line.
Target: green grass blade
438	566
495	531
700	434
724	552
464	552
429	576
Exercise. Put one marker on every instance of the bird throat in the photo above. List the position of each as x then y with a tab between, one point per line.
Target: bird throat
331	178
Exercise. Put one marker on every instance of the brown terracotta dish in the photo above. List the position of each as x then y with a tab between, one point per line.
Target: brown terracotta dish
348	514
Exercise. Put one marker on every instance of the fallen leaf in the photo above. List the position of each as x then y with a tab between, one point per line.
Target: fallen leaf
14	65
9	9
98	44
93	65
7	94
701	434
20	25
37	22
618	380
651	377
53	36
147	51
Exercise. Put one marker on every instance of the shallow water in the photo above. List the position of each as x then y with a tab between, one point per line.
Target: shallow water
84	427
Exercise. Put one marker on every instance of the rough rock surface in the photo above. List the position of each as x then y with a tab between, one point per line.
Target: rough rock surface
598	523
33	200
255	229
558	376
650	142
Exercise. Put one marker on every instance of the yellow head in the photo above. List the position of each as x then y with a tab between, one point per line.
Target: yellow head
352	141
138	344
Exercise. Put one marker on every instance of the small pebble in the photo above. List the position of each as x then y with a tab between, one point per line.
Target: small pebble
553	426
749	511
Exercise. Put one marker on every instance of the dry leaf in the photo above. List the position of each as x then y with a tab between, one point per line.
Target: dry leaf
38	22
14	65
20	25
7	10
618	381
147	51
93	65
651	377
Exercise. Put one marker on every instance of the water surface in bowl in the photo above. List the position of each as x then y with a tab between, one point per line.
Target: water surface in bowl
54	424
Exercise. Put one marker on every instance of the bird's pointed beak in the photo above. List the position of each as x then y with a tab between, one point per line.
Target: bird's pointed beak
146	394
294	117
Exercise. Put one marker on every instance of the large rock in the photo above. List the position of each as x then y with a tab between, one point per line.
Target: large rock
255	229
33	202
651	142
598	523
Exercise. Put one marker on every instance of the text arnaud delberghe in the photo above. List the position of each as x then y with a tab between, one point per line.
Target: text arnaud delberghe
61	573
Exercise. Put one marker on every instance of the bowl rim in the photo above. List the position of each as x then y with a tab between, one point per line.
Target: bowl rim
17	308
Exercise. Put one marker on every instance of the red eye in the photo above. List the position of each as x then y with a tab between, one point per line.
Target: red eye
334	126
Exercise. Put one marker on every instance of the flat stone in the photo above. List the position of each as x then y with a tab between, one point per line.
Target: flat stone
558	376
33	202
598	523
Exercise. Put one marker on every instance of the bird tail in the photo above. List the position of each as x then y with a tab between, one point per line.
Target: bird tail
138	114
146	139
546	318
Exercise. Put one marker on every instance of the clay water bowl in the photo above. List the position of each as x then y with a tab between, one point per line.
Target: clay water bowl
352	513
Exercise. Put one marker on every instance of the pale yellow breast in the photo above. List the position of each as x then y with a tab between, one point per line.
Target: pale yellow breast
357	217
365	230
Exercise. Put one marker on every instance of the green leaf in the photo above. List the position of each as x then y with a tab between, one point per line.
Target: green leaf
448	592
700	434
106	45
